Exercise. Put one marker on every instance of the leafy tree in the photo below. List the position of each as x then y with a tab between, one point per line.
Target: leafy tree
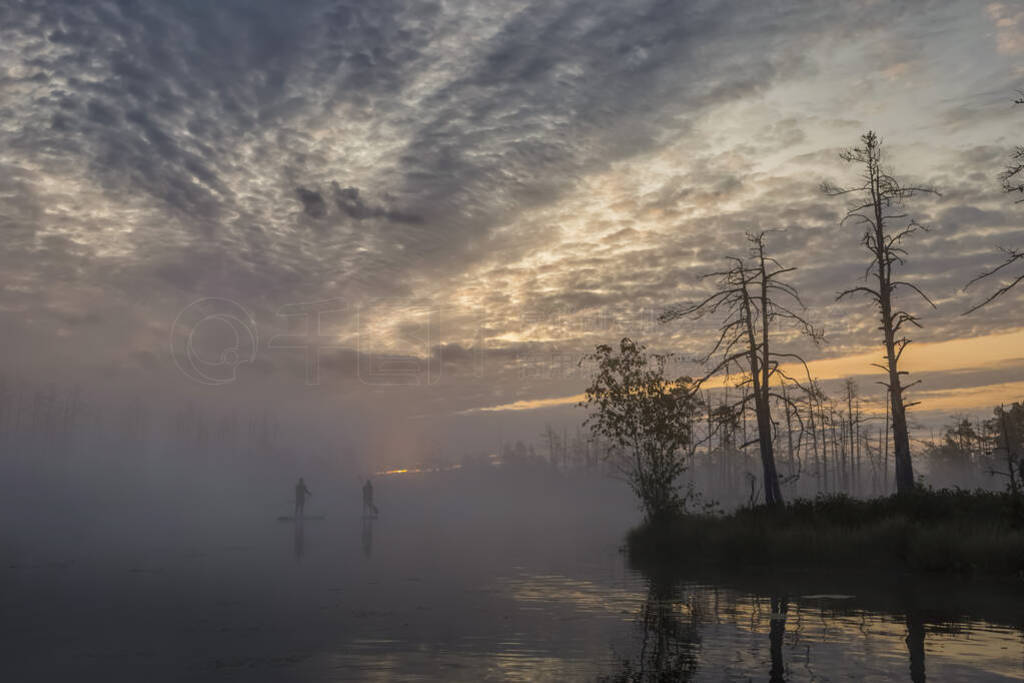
960	455
878	203
646	417
1009	425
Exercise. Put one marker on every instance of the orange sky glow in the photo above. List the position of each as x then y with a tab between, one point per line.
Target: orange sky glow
973	353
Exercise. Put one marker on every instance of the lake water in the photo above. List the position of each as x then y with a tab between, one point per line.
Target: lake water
460	578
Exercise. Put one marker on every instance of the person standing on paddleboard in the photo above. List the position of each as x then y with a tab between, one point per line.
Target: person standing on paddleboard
300	497
368	506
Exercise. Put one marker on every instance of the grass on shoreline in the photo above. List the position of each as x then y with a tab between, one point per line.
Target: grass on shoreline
960	532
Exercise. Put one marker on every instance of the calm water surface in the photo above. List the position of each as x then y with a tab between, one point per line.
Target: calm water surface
455	581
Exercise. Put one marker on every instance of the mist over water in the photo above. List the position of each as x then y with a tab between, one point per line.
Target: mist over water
489	572
206	580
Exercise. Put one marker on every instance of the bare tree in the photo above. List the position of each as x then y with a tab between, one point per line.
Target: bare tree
879	201
1010	256
1012	179
755	300
812	397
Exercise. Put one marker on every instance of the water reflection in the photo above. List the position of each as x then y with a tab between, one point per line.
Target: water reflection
776	635
299	538
367	536
915	645
669	638
440	596
606	622
697	631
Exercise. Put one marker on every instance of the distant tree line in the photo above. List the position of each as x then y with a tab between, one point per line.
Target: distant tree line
44	422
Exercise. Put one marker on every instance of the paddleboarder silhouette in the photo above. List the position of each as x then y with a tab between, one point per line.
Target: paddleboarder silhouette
368	506
300	498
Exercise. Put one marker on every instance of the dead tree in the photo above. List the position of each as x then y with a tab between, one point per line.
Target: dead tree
812	397
792	451
1010	256
885	445
1011	461
1012	179
755	300
878	204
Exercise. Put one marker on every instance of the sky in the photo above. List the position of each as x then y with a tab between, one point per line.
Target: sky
409	221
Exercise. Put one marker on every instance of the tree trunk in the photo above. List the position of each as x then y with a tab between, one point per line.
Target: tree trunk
824	446
791	456
772	491
1010	460
814	436
901	438
762	407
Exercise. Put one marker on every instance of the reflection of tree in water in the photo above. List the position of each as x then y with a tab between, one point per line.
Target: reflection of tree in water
915	645
804	626
776	635
668	642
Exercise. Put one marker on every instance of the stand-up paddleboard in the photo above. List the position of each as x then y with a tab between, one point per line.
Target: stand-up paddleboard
304	518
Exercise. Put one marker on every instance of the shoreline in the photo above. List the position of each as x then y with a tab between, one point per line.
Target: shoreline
936	533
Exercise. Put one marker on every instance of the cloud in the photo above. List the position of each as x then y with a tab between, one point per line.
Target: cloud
529	167
312	202
1009	27
349	202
